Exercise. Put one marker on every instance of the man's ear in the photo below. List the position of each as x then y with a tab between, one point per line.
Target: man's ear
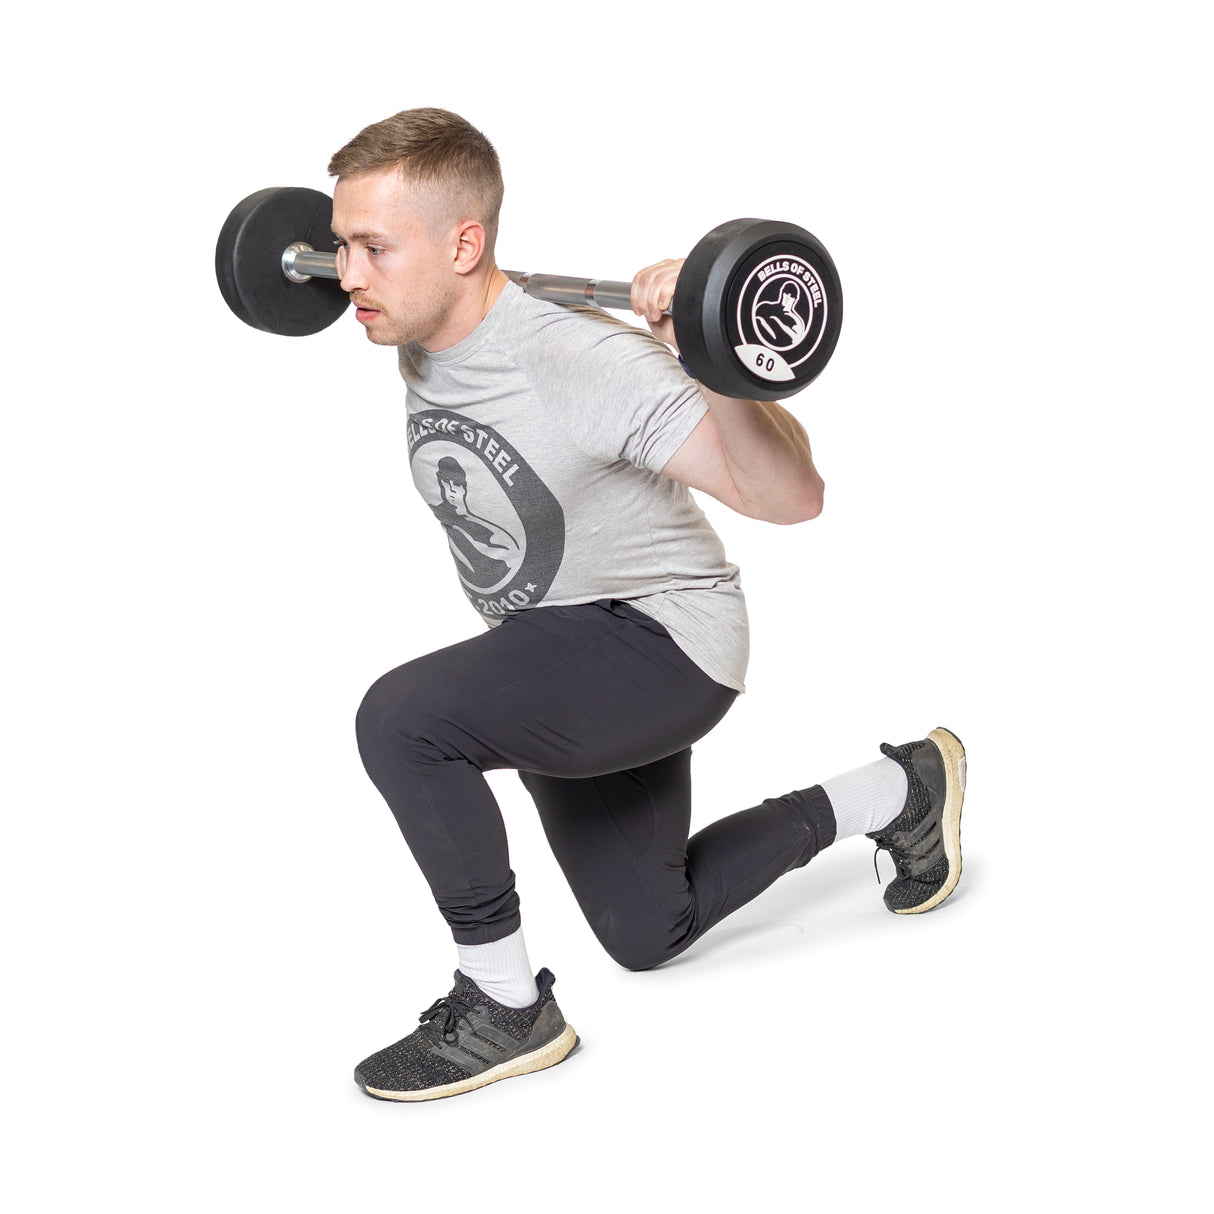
470	246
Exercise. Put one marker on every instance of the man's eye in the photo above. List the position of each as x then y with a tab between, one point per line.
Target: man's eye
374	250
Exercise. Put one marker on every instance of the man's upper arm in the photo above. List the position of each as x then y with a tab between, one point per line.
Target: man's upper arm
700	463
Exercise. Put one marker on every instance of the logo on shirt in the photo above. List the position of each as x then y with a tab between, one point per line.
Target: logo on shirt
781	316
505	529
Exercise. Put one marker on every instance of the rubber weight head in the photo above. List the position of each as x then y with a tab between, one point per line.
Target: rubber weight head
248	262
757	309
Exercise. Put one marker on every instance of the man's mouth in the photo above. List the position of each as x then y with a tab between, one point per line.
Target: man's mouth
365	311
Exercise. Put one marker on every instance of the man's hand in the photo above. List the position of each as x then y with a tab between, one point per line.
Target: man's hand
652	291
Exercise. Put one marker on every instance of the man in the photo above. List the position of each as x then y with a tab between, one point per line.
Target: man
618	628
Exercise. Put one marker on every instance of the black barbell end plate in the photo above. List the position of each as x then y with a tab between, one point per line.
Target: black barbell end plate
758	309
248	261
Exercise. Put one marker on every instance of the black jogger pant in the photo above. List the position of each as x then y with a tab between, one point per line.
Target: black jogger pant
596	707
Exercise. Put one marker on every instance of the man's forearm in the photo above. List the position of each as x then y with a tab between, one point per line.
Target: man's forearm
768	456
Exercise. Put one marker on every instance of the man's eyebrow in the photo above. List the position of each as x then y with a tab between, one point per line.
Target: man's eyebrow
364	237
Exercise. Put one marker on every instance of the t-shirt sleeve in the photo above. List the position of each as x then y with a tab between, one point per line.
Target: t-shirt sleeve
619	392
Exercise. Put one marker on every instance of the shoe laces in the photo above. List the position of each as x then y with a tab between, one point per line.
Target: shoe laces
905	849
445	1014
887	845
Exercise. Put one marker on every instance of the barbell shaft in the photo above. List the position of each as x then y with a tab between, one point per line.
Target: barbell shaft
557	288
301	262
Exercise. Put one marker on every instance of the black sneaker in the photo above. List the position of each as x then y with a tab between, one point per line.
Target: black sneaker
466	1041
925	839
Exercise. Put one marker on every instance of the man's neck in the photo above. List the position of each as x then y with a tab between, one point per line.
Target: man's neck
467	316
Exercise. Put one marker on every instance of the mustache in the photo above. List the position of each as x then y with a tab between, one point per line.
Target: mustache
360	301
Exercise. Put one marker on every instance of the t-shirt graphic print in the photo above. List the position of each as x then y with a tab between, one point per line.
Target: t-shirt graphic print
505	529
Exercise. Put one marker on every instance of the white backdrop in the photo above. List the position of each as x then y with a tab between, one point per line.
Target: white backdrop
212	549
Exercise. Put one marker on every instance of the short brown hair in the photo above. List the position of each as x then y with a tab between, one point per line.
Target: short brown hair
436	148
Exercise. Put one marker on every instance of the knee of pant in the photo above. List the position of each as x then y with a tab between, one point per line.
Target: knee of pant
633	950
394	712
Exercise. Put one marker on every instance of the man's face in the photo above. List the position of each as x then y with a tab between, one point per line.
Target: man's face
395	267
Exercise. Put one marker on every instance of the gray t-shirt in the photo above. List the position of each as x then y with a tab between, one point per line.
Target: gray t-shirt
538	441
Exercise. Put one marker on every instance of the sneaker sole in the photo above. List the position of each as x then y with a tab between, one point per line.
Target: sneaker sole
953	754
537	1060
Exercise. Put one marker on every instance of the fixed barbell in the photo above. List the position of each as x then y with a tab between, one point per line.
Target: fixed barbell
757	308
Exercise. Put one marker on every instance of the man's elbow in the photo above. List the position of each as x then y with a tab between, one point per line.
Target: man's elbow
819	498
806	506
809	505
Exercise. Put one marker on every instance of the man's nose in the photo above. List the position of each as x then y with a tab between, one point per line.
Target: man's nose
351	270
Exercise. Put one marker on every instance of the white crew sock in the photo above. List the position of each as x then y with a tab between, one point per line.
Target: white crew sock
868	798
500	969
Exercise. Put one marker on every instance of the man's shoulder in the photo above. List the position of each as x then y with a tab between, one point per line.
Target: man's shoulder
554	344
530	322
